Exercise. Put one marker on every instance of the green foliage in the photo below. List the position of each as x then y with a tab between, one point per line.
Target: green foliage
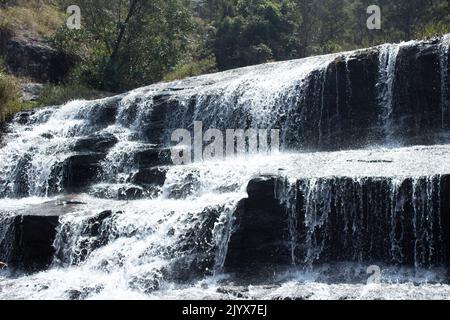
260	31
9	95
191	68
59	94
126	44
256	31
432	29
33	18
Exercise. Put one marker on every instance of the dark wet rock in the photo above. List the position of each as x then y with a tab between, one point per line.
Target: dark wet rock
153	157
260	239
19	184
154	124
149	177
232	292
104	112
23	117
445	216
80	170
27	243
145	283
27	233
344	110
31	91
97	143
130	193
417	100
48	136
95	223
182	190
74	294
341	219
68	203
195	253
83	293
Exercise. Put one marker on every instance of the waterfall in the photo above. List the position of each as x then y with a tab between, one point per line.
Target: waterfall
128	222
367	219
445	45
386	82
6	230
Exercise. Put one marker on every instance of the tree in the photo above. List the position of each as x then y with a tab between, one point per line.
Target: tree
129	42
259	32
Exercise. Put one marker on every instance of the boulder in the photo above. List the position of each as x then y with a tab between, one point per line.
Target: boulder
104	112
130	193
80	170
260	240
149	177
28	242
23	117
31	91
97	143
153	157
35	59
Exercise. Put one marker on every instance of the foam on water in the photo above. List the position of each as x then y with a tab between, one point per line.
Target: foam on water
173	242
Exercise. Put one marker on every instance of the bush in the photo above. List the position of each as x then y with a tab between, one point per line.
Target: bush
37	18
191	68
56	95
431	30
9	97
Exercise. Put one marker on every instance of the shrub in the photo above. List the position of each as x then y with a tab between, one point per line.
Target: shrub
191	68
431	30
60	94
37	18
9	96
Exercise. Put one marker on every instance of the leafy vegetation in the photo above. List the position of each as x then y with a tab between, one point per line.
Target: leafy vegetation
9	95
31	17
53	95
128	43
125	44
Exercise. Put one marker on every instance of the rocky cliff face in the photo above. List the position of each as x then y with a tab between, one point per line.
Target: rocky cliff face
320	221
33	58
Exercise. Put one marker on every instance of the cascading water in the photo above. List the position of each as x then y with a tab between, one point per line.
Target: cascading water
387	63
133	225
444	78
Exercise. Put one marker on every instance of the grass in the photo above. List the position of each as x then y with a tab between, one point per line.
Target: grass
59	94
34	18
9	96
191	68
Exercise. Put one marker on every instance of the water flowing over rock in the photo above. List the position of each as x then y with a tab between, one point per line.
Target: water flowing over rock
362	179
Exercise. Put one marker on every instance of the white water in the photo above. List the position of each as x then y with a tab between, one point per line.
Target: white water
445	45
142	234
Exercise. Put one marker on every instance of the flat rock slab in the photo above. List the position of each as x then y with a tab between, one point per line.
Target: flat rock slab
28	229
